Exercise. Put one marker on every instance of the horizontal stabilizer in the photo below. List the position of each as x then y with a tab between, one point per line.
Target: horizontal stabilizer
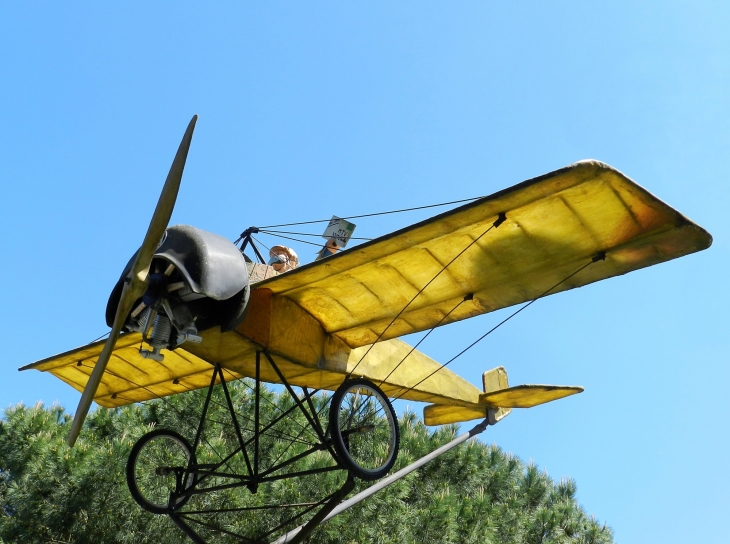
527	396
440	414
497	400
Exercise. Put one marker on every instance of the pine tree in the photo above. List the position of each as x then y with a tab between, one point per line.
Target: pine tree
473	494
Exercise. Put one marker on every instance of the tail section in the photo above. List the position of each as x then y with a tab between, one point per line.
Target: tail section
497	400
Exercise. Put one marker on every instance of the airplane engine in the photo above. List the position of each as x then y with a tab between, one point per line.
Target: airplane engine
197	280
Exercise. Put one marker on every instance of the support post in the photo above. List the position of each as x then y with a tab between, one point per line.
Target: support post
385	482
256	416
185	528
305	530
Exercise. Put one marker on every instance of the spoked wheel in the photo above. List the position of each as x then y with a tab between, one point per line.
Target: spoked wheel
156	468
364	429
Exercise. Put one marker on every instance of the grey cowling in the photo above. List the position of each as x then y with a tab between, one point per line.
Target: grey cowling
211	264
213	269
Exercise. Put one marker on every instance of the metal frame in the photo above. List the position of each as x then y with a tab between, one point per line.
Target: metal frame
246	237
324	509
250	449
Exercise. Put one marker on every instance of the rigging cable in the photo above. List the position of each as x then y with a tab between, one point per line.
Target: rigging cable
289	238
467	297
375	214
155	397
271	403
501	218
279	232
102	336
260	242
599	257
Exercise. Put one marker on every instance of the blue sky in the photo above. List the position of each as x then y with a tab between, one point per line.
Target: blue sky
314	109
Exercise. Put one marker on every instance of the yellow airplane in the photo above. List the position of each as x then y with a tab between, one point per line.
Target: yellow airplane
335	324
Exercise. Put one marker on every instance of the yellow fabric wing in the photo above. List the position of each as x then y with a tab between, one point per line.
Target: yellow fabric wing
131	378
554	225
318	321
128	377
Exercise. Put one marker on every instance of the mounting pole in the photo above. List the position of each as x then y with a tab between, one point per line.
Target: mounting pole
385	482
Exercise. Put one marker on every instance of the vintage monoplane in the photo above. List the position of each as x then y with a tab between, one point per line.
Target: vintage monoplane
208	318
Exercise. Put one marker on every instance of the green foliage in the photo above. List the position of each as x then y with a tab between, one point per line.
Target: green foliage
473	494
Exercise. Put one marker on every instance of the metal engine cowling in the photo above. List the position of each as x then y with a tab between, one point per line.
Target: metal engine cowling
197	280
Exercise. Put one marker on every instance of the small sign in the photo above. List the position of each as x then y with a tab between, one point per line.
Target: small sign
339	230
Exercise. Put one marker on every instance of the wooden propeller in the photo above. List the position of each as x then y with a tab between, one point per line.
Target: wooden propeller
136	281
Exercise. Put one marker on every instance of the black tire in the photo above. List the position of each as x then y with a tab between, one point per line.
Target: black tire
364	429
157	461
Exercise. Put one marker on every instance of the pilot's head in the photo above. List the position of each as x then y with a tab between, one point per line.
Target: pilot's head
283	259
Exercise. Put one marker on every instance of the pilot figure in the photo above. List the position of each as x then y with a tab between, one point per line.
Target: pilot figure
282	259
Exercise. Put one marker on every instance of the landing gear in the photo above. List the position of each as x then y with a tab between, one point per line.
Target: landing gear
157	471
364	429
284	446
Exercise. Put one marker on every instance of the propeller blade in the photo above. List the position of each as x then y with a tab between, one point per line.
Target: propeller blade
95	379
164	208
136	282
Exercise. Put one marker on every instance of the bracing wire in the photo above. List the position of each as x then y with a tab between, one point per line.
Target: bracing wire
468	297
279	232
500	219
260	242
163	400
99	338
273	405
374	214
601	256
289	238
